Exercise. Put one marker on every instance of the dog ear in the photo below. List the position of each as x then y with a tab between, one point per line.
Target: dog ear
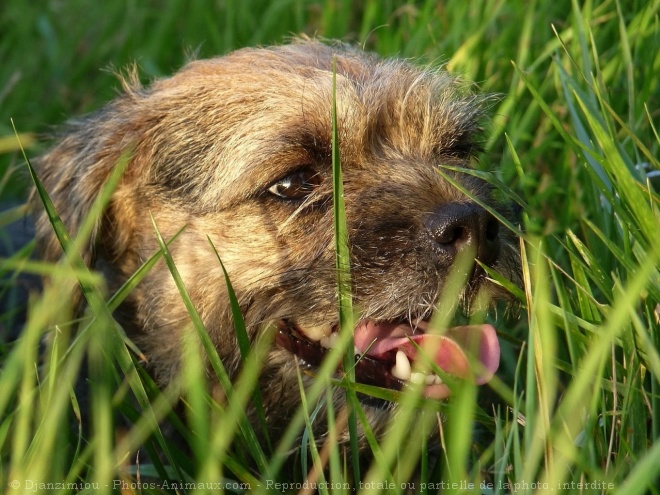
76	169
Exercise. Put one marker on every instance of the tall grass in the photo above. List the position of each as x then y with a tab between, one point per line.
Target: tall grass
576	406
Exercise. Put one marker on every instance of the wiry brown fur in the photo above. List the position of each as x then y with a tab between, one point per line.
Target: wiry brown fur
206	145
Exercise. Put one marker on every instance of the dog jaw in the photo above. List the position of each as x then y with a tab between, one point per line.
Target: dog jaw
237	151
387	353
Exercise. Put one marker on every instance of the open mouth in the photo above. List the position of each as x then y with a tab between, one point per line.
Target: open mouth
388	353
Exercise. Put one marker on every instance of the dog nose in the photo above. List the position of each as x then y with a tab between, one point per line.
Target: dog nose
456	227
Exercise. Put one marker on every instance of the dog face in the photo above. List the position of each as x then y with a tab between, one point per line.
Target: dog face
238	150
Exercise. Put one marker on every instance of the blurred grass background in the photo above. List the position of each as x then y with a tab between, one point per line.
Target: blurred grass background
574	135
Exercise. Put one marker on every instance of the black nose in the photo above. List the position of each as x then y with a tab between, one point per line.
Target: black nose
455	227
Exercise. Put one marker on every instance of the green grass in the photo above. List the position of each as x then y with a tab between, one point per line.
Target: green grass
574	135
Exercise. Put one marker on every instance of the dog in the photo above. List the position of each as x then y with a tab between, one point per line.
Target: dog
238	150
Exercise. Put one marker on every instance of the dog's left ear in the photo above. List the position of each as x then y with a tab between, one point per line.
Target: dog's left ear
76	169
73	173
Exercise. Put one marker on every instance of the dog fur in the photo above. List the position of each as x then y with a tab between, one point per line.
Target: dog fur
210	149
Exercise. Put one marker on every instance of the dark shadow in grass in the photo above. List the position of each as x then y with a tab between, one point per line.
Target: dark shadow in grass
15	286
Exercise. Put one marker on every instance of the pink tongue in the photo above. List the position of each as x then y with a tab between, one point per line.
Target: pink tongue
451	349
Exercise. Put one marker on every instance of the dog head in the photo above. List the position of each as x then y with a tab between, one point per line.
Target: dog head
238	150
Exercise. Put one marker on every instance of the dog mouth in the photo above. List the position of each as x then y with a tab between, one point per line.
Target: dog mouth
398	354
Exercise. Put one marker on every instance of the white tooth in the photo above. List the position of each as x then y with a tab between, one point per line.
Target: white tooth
417	377
437	380
332	340
316	333
430	379
329	341
401	369
356	351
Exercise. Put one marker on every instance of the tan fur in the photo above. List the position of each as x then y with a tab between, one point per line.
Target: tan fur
208	143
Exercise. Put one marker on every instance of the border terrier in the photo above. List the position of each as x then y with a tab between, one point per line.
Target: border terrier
239	149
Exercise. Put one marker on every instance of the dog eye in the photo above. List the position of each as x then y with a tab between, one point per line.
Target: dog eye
298	185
